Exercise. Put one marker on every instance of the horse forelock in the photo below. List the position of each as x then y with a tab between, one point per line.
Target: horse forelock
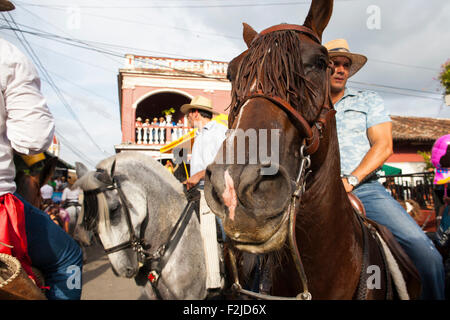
273	66
95	207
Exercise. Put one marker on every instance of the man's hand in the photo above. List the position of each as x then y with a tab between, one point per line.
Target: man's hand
194	180
348	187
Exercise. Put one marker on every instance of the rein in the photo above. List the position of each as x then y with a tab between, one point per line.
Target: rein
310	144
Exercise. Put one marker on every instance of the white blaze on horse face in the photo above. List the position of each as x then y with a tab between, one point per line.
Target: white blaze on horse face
229	149
253	86
231	137
229	195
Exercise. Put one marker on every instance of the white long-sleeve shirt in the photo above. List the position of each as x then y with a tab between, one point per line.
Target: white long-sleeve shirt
26	124
206	145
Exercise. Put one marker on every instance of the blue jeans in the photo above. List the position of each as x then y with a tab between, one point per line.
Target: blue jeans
384	209
54	253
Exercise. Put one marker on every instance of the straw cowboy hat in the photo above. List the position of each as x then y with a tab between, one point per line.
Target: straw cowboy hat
339	48
200	103
6	5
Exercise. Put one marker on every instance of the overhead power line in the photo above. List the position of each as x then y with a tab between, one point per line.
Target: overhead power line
165	6
73	149
41	67
82	44
76	43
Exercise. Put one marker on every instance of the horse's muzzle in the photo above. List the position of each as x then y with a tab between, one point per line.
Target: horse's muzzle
233	188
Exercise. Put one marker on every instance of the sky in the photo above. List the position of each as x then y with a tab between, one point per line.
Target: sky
79	47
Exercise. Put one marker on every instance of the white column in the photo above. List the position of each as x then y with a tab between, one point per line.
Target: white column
139	136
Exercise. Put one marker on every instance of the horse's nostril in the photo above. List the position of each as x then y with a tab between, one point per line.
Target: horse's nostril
129	272
213	185
265	193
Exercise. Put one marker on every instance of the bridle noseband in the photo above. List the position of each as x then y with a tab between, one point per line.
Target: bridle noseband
310	144
136	243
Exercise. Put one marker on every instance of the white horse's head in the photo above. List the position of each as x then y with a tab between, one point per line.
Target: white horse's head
153	199
104	212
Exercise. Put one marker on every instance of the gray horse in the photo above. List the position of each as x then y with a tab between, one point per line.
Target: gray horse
155	200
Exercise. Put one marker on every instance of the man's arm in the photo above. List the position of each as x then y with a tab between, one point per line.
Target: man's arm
380	137
30	125
195	179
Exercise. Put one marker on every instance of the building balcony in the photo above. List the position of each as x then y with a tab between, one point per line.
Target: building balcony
158	136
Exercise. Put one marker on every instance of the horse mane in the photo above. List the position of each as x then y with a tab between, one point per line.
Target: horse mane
273	66
148	163
95	209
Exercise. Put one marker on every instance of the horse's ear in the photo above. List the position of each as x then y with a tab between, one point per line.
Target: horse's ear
249	34
81	169
319	15
113	169
48	171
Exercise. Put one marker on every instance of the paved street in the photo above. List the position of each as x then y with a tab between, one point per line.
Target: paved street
99	281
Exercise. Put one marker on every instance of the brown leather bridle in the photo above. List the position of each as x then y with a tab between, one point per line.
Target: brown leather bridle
310	144
312	132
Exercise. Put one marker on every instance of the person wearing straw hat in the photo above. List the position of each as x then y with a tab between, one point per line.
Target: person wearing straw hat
208	140
207	143
364	131
27	128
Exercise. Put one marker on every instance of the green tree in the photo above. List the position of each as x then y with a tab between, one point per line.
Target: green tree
444	76
427	158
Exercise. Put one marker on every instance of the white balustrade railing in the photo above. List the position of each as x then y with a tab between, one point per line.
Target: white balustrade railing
159	135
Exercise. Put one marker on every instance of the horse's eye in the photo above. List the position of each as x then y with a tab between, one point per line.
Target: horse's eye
115	207
322	63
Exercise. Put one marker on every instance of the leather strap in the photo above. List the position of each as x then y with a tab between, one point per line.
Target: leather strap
313	133
294	27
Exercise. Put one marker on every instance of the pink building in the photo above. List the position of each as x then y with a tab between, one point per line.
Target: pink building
150	85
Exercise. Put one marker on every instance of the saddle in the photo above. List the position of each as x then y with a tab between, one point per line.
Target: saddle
406	266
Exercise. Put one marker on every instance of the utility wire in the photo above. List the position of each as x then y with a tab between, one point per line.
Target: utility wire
37	61
69	41
63	31
72	148
50	6
100	44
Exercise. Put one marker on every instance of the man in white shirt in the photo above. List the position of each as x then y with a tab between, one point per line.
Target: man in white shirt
208	140
209	137
27	127
70	201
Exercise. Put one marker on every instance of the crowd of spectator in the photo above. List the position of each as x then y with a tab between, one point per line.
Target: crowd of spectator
58	194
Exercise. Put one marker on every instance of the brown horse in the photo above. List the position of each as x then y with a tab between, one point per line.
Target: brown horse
29	184
299	215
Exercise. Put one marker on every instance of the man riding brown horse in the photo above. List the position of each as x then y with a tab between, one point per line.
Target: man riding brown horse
300	214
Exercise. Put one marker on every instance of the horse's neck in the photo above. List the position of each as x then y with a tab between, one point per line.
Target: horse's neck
164	207
185	272
326	226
